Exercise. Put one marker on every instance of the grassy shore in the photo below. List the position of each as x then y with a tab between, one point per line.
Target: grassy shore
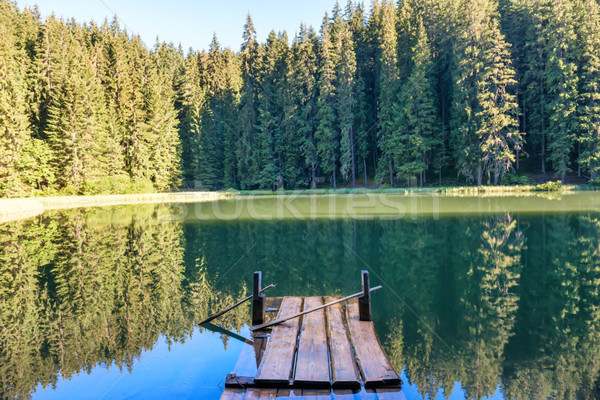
19	208
447	190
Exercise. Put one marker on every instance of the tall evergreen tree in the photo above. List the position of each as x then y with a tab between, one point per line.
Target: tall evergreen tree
250	59
589	93
165	148
561	81
21	157
346	104
418	126
300	167
266	173
326	134
485	131
388	84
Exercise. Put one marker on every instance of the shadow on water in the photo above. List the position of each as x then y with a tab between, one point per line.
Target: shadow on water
494	303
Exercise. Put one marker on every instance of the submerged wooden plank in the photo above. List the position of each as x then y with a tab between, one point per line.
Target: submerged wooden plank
316	394
312	362
261	394
283	394
344	372
233	394
390	394
375	366
278	360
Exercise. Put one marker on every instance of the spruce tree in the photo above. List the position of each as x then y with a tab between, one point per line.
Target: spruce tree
326	134
484	122
165	147
249	55
300	158
15	130
388	87
194	104
270	112
418	131
589	106
76	125
346	103
561	81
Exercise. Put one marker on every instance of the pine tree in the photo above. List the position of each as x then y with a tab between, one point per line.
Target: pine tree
417	120
561	81
250	54
15	130
356	20
388	86
76	123
194	105
484	112
345	82
265	172
300	167
589	108
326	134
165	148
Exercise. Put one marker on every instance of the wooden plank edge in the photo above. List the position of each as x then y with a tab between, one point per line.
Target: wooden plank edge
239	382
281	383
301	384
342	384
390	382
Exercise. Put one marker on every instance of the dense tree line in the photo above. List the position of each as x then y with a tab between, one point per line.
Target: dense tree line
406	93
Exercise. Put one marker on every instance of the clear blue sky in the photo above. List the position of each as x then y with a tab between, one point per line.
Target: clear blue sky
192	22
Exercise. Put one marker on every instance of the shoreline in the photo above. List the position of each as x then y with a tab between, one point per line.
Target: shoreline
13	209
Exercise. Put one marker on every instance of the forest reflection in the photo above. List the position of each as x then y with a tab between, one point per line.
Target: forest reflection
503	301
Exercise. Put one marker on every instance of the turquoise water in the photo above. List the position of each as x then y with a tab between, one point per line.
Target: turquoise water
498	302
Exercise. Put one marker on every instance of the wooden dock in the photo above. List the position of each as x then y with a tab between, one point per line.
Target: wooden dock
333	352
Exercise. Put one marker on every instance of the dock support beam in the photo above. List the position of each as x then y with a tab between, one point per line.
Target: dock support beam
258	300
364	301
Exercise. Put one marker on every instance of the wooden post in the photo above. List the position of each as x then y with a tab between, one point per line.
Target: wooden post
364	301
258	300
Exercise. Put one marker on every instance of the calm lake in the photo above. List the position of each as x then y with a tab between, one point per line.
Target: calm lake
494	297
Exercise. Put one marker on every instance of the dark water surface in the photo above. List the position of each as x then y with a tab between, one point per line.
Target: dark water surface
101	303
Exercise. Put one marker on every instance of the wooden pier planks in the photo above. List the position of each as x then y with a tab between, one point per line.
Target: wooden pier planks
233	394
260	394
344	372
312	394
375	366
278	360
312	362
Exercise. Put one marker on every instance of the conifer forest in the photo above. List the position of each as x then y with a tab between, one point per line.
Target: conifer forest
401	94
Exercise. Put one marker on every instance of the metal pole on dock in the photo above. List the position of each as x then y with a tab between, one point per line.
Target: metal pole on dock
364	301
258	300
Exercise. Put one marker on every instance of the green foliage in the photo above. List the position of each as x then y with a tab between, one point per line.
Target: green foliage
515	179
391	96
556	186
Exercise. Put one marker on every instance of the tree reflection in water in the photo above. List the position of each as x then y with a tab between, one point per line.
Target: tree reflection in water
503	301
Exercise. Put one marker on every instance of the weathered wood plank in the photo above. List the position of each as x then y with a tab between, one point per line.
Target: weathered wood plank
375	366
277	363
312	361
316	394
261	394
390	394
233	394
283	394
344	372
